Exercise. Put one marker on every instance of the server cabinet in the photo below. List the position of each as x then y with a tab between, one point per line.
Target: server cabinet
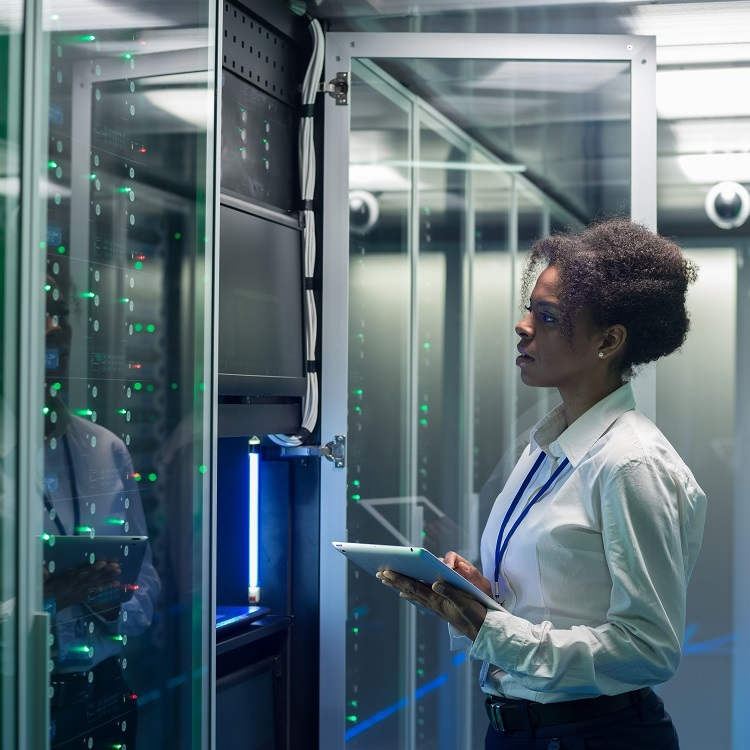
115	412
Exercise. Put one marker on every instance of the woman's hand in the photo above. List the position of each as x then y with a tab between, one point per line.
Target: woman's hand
461	610
464	568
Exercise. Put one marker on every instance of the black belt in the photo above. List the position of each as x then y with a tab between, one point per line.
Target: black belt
510	715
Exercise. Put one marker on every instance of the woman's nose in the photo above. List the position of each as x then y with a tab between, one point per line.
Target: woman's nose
524	328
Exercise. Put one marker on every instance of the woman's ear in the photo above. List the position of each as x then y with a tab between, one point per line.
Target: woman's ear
614	339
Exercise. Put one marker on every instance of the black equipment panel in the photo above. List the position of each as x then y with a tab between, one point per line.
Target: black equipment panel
260	307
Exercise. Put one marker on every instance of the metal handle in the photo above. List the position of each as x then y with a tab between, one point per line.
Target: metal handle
39	683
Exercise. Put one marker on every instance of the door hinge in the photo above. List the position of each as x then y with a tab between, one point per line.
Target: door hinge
337	87
334	451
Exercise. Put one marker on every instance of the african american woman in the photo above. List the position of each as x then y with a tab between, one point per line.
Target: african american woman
590	545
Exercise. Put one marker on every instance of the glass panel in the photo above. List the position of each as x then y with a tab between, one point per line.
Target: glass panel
438	415
705	437
567	122
378	425
11	25
129	98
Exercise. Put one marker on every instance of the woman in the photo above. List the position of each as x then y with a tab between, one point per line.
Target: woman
590	546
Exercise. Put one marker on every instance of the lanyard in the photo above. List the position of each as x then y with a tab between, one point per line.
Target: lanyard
501	547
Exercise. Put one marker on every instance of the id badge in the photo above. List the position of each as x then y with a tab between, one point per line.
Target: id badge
500	590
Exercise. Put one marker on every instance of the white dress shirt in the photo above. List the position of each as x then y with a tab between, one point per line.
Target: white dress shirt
598	570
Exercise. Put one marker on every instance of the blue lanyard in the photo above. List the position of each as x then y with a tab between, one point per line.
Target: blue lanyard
500	548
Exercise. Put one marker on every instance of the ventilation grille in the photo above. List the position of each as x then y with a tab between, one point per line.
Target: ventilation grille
255	52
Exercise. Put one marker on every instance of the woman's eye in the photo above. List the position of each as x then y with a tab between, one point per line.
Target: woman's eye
547	318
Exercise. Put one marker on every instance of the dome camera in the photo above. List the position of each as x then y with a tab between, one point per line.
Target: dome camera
728	205
363	211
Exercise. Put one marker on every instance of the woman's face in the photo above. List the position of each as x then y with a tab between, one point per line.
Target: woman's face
552	360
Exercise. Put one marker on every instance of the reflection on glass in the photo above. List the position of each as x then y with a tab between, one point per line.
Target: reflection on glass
126	156
378	423
10	120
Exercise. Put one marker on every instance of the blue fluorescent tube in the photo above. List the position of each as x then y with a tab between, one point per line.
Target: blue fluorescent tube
253	589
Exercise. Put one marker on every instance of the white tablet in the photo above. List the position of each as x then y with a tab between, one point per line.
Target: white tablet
414	562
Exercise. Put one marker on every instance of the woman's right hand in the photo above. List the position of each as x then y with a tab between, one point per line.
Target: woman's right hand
464	568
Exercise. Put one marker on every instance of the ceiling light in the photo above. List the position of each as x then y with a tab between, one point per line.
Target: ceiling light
703	92
708	168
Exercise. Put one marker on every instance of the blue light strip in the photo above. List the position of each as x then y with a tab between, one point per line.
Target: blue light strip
254	459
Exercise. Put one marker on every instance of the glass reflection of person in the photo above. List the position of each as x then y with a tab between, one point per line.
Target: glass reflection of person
89	488
609	519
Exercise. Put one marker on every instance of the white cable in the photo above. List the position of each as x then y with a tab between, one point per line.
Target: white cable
307	185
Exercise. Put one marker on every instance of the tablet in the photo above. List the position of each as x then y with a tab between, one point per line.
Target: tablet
63	553
414	562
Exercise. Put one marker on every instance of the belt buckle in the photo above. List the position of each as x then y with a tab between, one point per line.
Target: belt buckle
495	715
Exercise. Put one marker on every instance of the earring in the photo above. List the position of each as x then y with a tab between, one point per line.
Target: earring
601	355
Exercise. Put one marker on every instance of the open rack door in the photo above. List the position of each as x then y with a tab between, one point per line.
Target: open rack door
453	153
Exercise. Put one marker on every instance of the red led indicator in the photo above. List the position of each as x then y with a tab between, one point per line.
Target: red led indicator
142	149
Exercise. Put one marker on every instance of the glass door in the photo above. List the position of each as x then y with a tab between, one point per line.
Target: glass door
451	168
118	310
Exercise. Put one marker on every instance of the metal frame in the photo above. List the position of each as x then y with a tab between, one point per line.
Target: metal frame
640	52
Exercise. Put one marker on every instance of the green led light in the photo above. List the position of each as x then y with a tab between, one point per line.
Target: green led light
124	299
150	327
150	388
355	630
126	56
152	477
424	534
353	704
173	386
426	345
137	477
84	412
87	295
137	385
116	746
61	250
84	529
424	408
138	327
356	498
57	386
178	235
86	38
79	650
45	537
356	482
122	411
358	392
116	521
358	409
423	422
420	672
202	469
45	410
47	287
265	140
351	718
116	638
52	164
201	386
138	265
123	189
92	176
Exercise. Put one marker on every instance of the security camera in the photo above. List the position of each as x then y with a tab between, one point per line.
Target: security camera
728	205
363	211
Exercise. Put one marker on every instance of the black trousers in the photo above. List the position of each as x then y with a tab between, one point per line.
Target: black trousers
644	726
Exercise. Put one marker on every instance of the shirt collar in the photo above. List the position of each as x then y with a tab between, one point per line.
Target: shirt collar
554	436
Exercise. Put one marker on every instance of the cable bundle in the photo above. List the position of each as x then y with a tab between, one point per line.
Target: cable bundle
307	183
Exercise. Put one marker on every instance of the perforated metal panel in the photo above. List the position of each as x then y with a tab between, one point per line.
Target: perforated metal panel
257	53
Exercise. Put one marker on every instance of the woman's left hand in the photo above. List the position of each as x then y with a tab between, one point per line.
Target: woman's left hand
461	610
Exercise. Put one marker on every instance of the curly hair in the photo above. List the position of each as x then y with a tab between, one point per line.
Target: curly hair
621	273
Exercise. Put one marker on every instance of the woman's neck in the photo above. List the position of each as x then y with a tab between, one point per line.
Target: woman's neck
578	399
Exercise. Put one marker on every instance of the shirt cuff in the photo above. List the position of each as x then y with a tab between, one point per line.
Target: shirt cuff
501	639
458	641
